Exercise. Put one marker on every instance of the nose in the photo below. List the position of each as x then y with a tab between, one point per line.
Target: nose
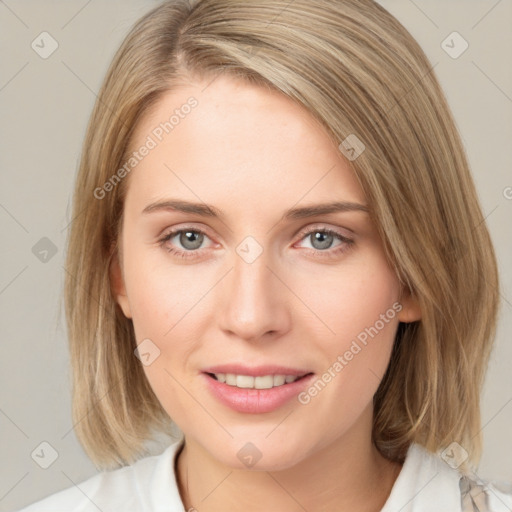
254	302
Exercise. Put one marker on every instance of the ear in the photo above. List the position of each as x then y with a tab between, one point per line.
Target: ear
410	311
117	285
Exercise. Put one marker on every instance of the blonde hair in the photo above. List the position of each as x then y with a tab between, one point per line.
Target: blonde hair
358	71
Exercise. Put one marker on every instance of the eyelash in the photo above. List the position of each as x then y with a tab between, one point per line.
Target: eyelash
346	244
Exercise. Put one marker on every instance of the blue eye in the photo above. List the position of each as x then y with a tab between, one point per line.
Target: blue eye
191	241
322	241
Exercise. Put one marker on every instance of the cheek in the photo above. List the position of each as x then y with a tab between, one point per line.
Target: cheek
162	296
349	299
167	307
360	305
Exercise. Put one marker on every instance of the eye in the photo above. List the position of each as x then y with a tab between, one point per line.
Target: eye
322	239
189	239
187	242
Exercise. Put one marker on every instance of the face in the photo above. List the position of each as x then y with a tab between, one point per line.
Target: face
258	288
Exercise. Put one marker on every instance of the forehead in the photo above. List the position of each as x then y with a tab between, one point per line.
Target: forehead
238	142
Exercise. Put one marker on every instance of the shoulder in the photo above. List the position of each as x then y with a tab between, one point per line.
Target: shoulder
428	481
103	491
484	496
140	486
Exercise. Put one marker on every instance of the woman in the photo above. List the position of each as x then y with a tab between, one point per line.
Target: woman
278	246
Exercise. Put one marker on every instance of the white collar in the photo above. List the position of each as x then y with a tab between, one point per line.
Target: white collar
425	482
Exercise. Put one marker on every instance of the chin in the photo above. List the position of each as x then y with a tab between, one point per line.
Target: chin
260	454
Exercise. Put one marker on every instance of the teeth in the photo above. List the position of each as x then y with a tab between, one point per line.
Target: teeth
279	380
260	382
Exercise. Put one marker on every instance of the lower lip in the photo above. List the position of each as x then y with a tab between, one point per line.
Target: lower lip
255	401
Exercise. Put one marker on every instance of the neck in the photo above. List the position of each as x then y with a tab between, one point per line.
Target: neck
349	474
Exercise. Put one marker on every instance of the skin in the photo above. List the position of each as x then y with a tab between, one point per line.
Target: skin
253	154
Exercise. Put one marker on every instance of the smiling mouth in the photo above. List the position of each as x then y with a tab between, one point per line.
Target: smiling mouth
259	382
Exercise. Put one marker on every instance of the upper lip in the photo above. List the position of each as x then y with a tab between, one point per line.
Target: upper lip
255	371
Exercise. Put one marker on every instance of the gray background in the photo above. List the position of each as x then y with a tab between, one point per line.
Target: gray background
45	107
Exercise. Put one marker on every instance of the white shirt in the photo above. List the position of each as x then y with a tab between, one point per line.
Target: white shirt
426	483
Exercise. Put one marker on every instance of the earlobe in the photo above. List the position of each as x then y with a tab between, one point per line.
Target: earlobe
411	311
118	287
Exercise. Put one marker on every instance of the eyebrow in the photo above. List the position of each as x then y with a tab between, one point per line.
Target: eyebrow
206	210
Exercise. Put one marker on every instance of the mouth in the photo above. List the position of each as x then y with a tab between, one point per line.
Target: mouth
256	382
255	390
